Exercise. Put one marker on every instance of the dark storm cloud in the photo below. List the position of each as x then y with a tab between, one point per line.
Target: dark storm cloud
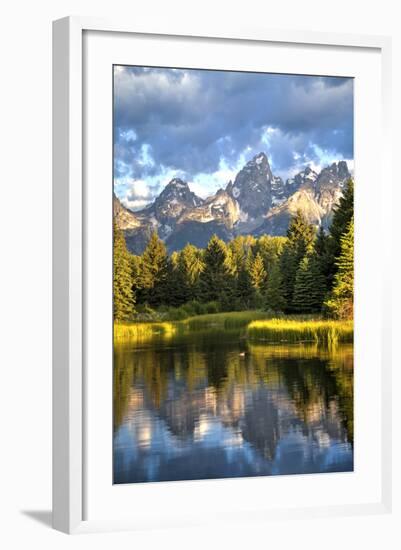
189	120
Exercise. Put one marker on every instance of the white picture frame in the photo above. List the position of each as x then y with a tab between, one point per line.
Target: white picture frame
69	261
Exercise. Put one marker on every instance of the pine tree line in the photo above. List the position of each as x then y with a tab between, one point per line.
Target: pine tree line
303	272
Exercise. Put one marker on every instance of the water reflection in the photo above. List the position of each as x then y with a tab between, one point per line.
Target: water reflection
209	405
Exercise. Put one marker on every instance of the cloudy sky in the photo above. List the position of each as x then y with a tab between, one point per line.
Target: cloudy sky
203	126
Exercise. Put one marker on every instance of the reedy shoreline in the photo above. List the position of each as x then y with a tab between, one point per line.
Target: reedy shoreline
257	325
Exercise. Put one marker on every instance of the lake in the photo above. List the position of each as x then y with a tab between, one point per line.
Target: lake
209	404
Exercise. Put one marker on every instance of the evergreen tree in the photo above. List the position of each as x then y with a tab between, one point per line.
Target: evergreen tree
300	238
184	273
215	279
136	269
123	296
270	248
340	303
245	291
310	286
239	249
343	213
176	294
274	299
154	274
257	273
174	259
323	256
191	265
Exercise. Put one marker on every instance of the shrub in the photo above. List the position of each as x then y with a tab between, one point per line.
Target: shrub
212	307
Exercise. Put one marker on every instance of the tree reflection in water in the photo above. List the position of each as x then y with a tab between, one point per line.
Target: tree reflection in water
192	407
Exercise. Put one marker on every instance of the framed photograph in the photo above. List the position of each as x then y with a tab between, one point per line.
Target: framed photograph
220	339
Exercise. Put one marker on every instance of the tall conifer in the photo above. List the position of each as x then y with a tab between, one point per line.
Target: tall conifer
245	291
300	238
309	288
123	296
340	303
343	214
257	273
154	274
215	278
274	298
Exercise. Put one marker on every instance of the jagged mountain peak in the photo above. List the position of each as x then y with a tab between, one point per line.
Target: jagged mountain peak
255	202
252	186
315	195
339	168
335	175
177	182
309	173
173	200
307	176
260	160
229	187
177	187
258	163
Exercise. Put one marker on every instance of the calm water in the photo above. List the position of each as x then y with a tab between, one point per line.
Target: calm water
211	405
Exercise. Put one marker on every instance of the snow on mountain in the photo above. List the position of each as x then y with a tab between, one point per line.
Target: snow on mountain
256	202
219	207
305	177
315	195
175	198
252	187
278	191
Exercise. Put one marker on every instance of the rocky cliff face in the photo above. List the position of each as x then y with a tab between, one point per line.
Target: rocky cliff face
306	178
315	196
175	199
279	191
220	207
124	218
252	188
257	202
218	215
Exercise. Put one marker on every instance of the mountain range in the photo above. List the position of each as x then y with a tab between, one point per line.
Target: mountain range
256	202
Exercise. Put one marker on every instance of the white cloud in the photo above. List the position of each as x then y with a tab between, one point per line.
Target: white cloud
205	185
128	135
187	119
134	194
145	157
134	204
139	189
137	193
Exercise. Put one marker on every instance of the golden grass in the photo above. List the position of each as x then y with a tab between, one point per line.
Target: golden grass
293	331
142	332
257	325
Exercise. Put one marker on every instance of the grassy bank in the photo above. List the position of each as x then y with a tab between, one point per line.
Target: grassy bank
294	331
258	326
141	332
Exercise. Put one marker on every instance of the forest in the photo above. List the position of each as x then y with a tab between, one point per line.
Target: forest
307	272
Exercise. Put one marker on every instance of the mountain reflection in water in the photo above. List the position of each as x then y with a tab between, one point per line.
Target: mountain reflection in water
192	407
